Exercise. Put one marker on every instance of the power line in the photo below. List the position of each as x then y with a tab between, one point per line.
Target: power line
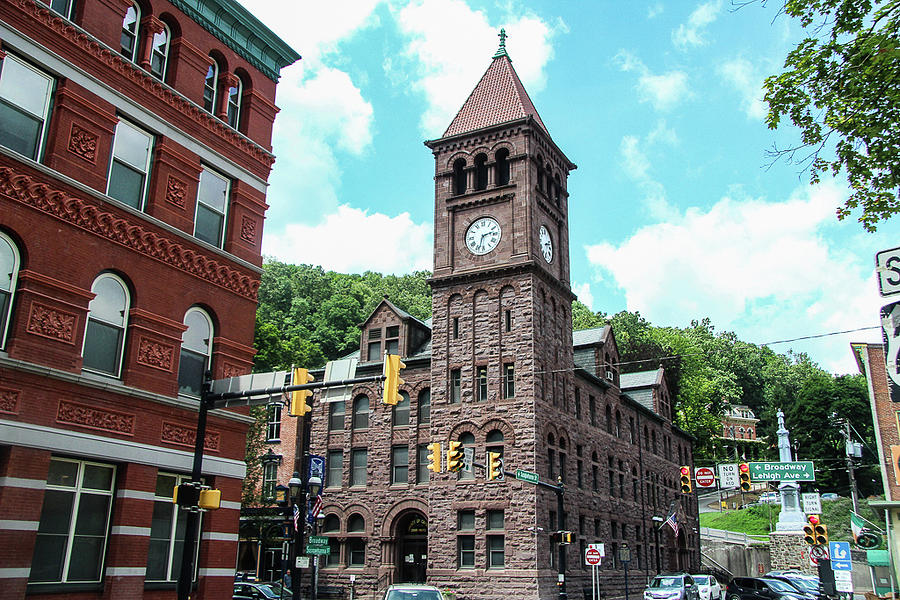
820	335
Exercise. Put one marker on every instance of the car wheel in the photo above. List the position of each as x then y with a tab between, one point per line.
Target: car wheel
733	597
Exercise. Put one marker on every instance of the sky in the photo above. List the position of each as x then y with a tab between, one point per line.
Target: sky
676	210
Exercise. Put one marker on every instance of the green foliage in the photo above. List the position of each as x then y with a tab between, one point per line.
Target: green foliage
840	88
251	487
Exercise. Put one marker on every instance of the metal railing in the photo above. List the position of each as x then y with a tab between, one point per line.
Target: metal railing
728	537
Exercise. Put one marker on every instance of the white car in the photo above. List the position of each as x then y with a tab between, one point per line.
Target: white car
709	587
769	498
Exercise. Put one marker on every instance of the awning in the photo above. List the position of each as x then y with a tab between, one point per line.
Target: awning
878	558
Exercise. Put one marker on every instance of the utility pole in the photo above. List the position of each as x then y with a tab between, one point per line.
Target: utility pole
850	453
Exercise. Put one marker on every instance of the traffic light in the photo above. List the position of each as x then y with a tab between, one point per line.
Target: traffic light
454	456
434	459
495	466
299	406
392	381
809	530
187	494
821	534
566	537
210	499
744	475
685	480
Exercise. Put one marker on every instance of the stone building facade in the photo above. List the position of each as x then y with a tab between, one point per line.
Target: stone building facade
135	147
497	369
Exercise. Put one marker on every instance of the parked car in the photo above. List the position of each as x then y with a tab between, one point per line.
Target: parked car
769	498
763	588
408	591
677	586
830	496
709	587
248	590
809	584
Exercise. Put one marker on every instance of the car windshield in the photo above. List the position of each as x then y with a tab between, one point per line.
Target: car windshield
782	586
701	579
666	582
413	595
805	584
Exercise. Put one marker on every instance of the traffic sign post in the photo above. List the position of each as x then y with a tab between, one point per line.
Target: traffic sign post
592	556
728	475
704	477
840	556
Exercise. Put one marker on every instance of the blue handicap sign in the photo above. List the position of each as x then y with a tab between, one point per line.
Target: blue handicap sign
840	556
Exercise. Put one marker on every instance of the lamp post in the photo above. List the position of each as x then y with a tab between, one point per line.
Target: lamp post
314	485
658	523
295	484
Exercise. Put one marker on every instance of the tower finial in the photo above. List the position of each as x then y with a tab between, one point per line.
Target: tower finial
501	51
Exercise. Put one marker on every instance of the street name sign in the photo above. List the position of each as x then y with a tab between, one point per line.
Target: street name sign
321	550
527	476
705	477
887	265
728	475
812	503
318	540
802	470
840	556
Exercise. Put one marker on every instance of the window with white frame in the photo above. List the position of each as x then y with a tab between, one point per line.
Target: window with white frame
423	410
130	165
209	86
234	104
356	542
9	273
104	335
159	53
400	415
167	532
269	480
465	539
72	533
400	464
495	540
212	207
360	416
196	351
359	462
64	7
130	25
273	422
25	94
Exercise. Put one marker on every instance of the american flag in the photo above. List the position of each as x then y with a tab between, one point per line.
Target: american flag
317	507
672	522
296	516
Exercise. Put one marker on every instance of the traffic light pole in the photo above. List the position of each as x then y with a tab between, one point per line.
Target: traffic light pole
560	525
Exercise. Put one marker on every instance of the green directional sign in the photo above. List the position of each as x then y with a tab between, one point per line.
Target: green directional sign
321	550
526	476
802	470
318	540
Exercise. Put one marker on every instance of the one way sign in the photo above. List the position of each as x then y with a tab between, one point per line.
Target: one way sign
840	556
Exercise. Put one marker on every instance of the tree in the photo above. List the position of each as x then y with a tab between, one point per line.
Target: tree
841	87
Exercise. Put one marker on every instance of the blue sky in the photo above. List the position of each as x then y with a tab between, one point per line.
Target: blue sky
674	209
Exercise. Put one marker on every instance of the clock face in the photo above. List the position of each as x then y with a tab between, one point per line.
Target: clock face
546	244
483	235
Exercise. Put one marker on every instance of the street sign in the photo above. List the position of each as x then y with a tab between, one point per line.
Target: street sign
468	459
256	381
321	550
318	540
527	476
599	548
592	557
843	581
812	503
705	477
302	562
728	475
887	266
802	470
840	556
818	552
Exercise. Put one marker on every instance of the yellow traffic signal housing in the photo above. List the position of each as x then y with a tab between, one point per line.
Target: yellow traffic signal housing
454	457
685	480
434	458
210	499
566	537
809	530
495	466
392	380
189	496
744	476
821	534
299	405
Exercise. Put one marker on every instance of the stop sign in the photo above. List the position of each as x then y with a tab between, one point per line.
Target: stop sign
705	477
592	556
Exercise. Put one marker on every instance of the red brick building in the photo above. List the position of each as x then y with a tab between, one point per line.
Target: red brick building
135	147
498	369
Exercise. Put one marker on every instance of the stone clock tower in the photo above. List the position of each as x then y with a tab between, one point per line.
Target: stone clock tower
502	352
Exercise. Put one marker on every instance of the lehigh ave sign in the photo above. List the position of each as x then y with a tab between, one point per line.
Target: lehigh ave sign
783	471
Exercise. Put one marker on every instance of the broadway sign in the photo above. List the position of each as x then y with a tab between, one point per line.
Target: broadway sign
802	470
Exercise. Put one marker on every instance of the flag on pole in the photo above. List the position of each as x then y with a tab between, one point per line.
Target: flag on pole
672	522
317	507
296	517
856	524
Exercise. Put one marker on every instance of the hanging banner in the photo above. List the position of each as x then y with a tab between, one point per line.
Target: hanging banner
890	333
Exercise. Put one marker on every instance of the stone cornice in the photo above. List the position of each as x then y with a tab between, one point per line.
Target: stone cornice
528	266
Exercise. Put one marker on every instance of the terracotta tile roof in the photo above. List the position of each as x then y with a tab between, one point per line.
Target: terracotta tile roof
499	97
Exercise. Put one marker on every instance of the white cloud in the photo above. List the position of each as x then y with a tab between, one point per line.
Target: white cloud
655	10
637	166
663	91
445	71
583	291
761	268
692	32
391	244
747	80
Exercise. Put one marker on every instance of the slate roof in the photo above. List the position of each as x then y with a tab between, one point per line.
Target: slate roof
498	98
584	337
640	379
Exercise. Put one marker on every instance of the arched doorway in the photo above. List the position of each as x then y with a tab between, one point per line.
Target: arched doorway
412	547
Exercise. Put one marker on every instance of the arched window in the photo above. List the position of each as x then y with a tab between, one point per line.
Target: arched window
467	440
502	158
557	189
481	172
209	86
356	542
619	424
331	526
540	173
9	273
494	442
104	336
459	176
159	53
361	412
234	104
196	351
130	28
401	411
424	409
336	413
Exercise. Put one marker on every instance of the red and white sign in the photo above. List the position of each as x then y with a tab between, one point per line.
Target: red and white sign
705	477
592	557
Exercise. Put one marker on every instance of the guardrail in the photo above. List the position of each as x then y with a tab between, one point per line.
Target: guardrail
729	537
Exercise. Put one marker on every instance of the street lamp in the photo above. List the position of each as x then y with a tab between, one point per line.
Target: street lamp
295	484
314	485
660	520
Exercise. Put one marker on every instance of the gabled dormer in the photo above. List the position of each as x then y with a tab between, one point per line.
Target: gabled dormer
392	330
597	353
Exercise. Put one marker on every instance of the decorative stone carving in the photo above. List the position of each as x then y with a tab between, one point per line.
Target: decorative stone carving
248	229
95	418
155	354
232	370
187	436
176	190
126	232
51	323
9	400
83	143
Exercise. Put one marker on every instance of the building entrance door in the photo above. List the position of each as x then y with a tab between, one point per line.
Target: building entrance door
412	545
